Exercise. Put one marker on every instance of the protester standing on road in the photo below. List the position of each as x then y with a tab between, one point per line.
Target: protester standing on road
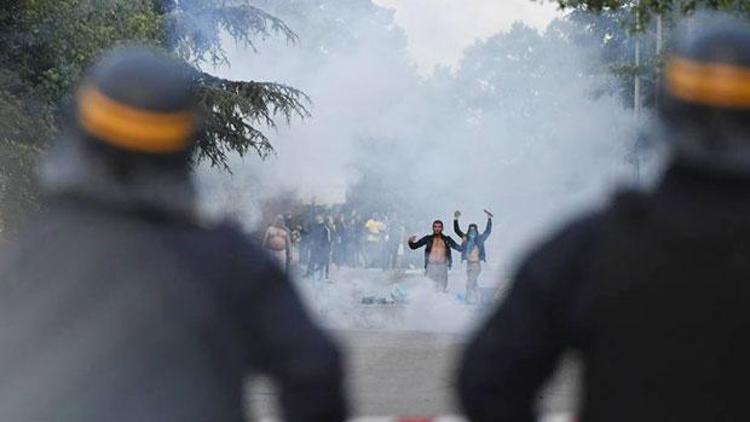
375	230
356	233
321	242
341	242
473	252
437	254
652	291
278	243
119	304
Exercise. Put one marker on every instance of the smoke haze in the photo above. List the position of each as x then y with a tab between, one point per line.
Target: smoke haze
523	126
439	31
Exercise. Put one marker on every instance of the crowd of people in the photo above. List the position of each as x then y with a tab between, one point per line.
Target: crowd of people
313	240
317	238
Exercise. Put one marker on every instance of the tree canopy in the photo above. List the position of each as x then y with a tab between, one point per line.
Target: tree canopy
648	7
48	44
619	24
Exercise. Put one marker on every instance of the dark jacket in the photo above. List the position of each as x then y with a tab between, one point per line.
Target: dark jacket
144	316
427	243
652	292
321	236
481	238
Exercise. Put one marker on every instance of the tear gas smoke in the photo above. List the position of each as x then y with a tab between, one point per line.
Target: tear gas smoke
520	127
453	25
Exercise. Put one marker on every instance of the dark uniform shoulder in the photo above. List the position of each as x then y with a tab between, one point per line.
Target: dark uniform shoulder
558	250
631	205
232	233
239	246
559	271
225	256
561	247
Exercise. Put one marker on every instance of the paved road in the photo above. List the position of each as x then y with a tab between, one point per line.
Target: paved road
403	374
395	370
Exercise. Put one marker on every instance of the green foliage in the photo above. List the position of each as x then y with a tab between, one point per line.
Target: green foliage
19	120
193	29
234	110
643	10
618	23
333	27
48	44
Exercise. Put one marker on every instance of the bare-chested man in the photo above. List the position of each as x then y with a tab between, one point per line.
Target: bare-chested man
278	242
437	254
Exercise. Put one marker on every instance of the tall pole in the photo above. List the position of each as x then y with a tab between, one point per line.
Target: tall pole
659	50
659	34
637	82
637	89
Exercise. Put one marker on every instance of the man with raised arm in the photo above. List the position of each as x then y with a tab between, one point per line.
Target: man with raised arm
437	254
473	252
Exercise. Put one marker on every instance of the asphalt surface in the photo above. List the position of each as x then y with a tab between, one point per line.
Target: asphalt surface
396	364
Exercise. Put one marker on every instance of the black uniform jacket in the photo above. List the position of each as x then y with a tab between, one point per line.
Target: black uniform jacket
654	295
107	315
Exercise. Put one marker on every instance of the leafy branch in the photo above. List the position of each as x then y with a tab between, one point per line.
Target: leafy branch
194	29
235	110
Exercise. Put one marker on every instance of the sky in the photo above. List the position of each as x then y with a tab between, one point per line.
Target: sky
440	30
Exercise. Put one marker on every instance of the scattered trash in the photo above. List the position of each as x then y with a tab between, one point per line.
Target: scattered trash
373	300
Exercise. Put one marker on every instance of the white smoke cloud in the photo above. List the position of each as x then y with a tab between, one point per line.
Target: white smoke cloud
440	30
517	129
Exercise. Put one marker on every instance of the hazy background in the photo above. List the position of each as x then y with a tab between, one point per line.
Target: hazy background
438	31
432	106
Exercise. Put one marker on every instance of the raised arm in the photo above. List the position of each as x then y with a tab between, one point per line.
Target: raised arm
419	243
456	227
487	228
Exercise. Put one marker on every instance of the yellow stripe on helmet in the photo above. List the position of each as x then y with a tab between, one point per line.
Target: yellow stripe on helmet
131	128
711	84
